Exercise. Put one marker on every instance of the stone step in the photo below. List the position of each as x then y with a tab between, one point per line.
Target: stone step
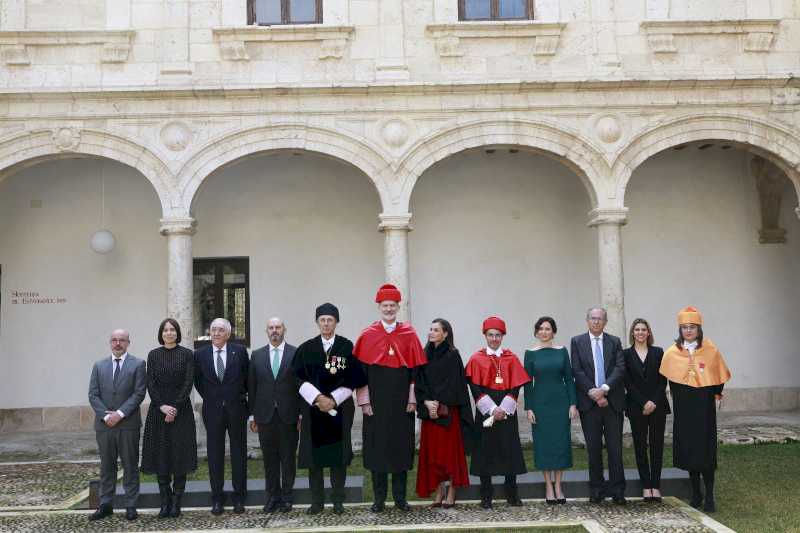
575	483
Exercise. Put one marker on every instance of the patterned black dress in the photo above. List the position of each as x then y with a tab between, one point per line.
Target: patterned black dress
169	448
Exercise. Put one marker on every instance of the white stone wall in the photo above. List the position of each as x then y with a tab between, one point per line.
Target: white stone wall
47	350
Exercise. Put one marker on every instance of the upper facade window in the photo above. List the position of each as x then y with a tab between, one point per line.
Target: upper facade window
495	9
270	12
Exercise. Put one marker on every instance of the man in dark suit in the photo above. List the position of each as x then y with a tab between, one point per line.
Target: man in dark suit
220	376
116	389
274	411
599	370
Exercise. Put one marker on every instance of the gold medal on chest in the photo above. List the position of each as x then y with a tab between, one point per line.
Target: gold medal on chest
498	380
327	365
391	350
333	370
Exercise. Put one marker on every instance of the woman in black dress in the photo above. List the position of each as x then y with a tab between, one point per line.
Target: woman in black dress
646	406
170	443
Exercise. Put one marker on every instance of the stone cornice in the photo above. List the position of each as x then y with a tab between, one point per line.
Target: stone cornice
116	43
360	89
232	40
758	33
545	34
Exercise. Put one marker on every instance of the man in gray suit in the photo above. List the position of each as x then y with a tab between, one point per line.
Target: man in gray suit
274	408
116	389
599	370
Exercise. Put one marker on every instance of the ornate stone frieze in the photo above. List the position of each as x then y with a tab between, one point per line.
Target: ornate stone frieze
448	37
232	40
115	44
758	34
770	183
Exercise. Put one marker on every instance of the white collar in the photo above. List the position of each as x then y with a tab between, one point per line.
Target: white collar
691	346
389	327
121	358
497	352
279	347
328	341
224	348
593	337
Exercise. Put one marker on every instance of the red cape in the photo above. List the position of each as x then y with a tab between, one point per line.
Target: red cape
372	346
481	370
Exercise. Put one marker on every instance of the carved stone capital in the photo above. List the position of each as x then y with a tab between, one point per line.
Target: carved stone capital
608	215
395	222
178	226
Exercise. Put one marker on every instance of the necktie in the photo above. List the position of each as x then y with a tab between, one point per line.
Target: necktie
599	362
118	360
276	362
220	366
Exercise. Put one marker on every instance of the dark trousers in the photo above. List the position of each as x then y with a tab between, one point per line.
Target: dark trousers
316	482
122	443
648	435
708	480
487	489
177	481
380	485
279	447
235	425
604	423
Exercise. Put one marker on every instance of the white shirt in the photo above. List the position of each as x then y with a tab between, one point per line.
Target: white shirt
496	353
593	341
223	354
691	346
113	369
272	349
327	343
389	327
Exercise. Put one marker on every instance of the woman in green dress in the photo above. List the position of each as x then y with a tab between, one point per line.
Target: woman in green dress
550	402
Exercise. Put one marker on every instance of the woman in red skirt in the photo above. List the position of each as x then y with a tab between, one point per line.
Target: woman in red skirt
444	408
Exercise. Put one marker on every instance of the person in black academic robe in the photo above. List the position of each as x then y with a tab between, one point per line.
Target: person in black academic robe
495	376
328	373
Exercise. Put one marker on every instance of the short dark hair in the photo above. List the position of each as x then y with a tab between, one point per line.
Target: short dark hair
636	322
679	341
541	321
175	325
447	328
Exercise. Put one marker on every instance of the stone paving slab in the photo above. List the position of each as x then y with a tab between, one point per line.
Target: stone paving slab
51	484
637	517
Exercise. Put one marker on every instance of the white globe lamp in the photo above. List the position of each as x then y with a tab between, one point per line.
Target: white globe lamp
103	241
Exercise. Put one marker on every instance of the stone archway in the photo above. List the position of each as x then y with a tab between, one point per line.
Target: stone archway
547	138
220	152
21	151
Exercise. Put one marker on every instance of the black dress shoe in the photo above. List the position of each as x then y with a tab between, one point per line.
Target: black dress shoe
402	505
549	501
696	501
285	507
338	508
377	507
561	501
271	506
217	508
131	514
655	499
102	512
238	507
596	498
315	508
486	503
619	500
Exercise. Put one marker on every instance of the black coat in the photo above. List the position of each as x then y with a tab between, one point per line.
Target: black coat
643	382
231	394
583	370
325	440
269	395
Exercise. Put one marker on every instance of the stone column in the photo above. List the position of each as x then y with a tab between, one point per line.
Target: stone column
609	222
395	256
179	231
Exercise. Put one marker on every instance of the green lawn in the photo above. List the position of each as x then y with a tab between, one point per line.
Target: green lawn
758	485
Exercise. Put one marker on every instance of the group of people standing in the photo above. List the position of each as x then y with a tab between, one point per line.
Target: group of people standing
308	395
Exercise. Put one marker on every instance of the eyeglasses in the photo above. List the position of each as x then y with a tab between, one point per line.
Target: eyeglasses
689	327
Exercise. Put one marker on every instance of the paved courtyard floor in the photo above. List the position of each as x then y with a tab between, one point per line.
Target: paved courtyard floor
637	516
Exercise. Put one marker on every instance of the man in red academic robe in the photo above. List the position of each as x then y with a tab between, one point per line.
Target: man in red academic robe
495	376
389	351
